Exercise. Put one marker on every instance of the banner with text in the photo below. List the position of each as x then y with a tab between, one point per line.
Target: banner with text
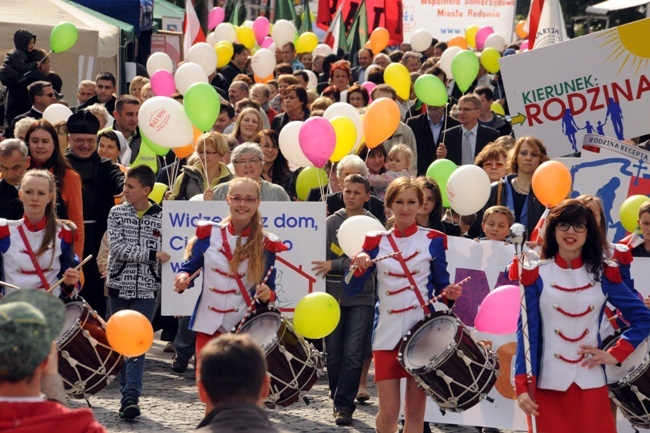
301	226
445	19
604	89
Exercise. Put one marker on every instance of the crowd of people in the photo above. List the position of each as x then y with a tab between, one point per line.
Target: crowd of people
79	189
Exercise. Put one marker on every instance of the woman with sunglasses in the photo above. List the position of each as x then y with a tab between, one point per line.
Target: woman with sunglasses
565	295
236	256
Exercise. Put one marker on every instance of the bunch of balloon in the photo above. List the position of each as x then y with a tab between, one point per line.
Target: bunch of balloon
342	109
482	35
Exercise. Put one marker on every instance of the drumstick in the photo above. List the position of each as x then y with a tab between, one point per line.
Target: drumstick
192	277
444	292
76	268
350	272
252	305
11	286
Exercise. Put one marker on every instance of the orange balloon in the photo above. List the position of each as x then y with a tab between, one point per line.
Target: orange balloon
368	45
381	121
458	41
379	40
551	183
184	151
263	80
129	333
521	31
197	134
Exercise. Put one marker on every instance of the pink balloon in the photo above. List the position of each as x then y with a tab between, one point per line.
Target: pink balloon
261	28
162	83
267	42
215	17
369	85
499	311
481	36
317	140
523	46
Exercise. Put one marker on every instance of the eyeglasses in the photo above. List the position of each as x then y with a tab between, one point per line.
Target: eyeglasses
240	199
207	153
50	95
269	146
80	141
578	227
248	162
467	109
493	164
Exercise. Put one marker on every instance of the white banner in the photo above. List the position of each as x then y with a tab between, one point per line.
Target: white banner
603	89
445	19
301	227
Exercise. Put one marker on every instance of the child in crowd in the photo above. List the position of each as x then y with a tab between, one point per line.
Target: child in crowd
134	268
496	223
454	224
397	165
643	250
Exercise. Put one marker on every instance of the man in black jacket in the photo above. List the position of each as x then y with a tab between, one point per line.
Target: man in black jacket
42	96
105	85
428	131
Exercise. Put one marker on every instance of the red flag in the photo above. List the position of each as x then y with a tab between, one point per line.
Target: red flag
539	232
336	32
192	30
545	24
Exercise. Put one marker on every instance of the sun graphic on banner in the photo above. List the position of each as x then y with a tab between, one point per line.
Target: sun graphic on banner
629	45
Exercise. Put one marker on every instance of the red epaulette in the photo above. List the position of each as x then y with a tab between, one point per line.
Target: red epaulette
4	228
66	234
529	273
203	230
612	272
273	244
622	254
372	241
434	234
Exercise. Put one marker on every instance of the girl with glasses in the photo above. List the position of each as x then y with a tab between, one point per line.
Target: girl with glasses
565	296
236	256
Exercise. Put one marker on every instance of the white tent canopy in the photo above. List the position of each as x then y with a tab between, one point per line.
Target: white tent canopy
96	49
614	5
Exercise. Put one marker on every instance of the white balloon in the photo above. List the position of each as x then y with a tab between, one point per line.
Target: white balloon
163	121
198	197
159	61
346	110
290	145
204	55
313	80
468	189
263	62
188	74
446	59
272	47
496	41
323	49
353	232
421	40
248	23
283	31
56	113
225	32
211	39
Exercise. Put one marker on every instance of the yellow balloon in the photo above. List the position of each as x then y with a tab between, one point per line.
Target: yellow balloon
397	76
158	192
246	37
306	43
346	136
490	60
224	53
470	35
497	108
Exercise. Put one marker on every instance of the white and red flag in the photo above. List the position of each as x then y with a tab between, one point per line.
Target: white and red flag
545	24
192	31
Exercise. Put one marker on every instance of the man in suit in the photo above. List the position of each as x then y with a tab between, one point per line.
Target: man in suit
463	142
428	130
365	60
42	95
486	116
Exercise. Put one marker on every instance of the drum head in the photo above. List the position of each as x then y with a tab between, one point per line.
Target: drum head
73	312
633	365
430	342
263	328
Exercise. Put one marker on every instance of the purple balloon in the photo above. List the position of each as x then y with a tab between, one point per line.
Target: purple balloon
162	83
261	28
215	17
482	35
267	42
499	311
317	140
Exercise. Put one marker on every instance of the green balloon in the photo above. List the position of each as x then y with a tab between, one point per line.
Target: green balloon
63	37
158	150
439	171
202	104
464	69
310	177
430	90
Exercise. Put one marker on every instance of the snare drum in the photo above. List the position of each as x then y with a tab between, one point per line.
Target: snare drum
629	384
452	368
294	364
87	363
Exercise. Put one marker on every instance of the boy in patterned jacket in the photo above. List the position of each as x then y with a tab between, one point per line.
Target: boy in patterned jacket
134	242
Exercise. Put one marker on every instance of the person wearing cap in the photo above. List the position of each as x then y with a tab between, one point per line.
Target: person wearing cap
101	180
30	321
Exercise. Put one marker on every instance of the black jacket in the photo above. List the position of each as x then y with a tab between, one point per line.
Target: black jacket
454	141
426	148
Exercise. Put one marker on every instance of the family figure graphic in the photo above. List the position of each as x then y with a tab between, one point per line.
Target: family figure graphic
570	128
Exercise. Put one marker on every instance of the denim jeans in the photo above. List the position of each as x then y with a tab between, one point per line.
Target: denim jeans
185	340
345	353
130	376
